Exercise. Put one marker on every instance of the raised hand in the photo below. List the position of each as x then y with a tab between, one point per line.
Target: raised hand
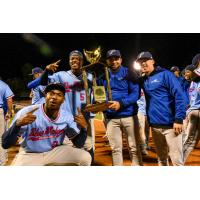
28	118
80	119
53	66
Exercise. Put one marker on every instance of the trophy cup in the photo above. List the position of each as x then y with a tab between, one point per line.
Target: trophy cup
96	68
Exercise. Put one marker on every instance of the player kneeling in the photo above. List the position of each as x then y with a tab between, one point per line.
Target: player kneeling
42	129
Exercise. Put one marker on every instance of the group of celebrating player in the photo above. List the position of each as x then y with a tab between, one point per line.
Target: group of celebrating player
54	130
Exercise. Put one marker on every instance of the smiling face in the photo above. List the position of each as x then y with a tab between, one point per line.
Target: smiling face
75	63
54	99
188	74
114	62
147	65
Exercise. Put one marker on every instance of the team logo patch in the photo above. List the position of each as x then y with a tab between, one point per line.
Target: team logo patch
155	81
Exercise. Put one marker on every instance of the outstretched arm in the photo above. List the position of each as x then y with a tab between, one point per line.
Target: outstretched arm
43	79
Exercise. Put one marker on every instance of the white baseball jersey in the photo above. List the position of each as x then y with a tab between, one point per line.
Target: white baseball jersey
75	94
194	94
44	133
5	93
141	102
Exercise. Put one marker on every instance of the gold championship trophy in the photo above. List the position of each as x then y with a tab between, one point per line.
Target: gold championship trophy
96	68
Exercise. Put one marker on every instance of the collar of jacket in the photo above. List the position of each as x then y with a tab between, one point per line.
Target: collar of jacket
115	72
156	70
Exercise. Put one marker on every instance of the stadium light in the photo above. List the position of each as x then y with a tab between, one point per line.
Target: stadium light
136	65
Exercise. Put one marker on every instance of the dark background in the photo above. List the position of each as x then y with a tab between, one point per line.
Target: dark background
21	52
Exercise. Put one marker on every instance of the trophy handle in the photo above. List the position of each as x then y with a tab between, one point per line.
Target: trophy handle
108	83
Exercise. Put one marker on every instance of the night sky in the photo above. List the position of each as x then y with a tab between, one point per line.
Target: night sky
22	52
167	49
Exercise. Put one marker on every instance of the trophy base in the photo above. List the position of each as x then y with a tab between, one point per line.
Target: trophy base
98	107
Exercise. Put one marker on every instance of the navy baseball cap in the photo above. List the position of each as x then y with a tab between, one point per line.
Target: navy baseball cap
196	59
113	53
36	70
190	67
144	55
76	53
54	86
174	69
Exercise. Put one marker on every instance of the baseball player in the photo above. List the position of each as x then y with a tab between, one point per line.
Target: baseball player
187	80
175	70
185	86
196	61
122	113
165	109
193	114
75	96
6	95
42	129
37	93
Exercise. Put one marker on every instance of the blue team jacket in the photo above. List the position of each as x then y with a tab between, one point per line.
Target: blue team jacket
124	91
186	85
165	99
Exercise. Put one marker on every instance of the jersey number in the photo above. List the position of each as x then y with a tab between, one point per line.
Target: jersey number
82	96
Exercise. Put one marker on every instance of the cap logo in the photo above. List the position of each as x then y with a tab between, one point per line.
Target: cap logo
111	52
141	54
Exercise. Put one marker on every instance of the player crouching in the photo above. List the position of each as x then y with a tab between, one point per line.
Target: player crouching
42	129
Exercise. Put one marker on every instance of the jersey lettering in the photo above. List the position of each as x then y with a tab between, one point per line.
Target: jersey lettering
82	96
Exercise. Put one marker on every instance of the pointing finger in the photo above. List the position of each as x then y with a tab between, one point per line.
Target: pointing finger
57	62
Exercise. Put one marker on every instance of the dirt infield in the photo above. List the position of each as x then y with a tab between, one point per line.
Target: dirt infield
103	151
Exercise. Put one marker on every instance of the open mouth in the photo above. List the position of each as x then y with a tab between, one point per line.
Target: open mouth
75	65
52	103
